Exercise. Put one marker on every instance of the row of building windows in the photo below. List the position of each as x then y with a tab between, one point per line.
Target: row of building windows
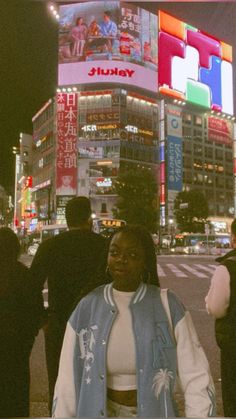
200	179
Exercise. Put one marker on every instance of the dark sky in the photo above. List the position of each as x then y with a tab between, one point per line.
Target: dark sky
28	57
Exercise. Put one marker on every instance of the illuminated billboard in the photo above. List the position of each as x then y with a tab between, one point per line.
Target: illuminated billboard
66	154
194	66
107	42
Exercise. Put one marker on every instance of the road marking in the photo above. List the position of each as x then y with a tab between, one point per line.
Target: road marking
214	266
204	268
176	270
193	271
160	270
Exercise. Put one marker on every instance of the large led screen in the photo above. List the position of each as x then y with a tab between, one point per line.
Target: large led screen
107	41
194	66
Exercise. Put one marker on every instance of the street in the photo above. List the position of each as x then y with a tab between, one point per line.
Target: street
189	277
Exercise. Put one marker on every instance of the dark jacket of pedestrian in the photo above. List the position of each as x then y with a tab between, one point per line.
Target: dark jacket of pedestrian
68	262
221	303
18	327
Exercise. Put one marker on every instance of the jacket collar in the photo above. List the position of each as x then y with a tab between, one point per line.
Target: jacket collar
138	296
228	255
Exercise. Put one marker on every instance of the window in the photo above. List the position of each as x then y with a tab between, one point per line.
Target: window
197	120
209	152
218	153
228	156
187	118
187	147
187	176
197	149
187	132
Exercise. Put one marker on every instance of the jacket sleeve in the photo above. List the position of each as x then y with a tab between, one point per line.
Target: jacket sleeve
64	401
193	370
217	299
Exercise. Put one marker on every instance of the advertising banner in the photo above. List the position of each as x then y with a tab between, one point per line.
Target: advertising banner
107	41
174	125
219	131
66	158
175	163
194	66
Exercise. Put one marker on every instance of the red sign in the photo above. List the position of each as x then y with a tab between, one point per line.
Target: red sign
115	71
219	130
234	166
66	159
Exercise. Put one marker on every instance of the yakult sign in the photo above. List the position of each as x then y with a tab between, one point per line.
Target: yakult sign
99	71
107	42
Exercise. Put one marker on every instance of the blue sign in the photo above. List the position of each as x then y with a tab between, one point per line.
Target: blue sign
175	163
162	152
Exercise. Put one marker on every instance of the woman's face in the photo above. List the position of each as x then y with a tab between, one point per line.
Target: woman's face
126	262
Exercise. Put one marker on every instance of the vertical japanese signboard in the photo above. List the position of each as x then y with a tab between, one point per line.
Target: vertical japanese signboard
175	163
174	140
174	178
66	158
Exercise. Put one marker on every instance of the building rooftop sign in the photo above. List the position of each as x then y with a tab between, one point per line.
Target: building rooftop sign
194	66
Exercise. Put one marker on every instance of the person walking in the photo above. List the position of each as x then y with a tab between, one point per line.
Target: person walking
125	344
221	303
67	261
18	328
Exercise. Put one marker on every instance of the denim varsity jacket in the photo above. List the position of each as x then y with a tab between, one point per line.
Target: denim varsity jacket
80	390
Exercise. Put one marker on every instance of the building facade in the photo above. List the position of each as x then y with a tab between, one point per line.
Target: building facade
156	93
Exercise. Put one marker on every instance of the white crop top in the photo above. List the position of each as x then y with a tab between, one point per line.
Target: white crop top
121	358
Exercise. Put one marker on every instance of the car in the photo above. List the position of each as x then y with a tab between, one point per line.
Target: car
32	249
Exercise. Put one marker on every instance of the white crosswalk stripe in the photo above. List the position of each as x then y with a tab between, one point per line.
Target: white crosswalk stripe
179	270
160	270
193	271
205	268
176	270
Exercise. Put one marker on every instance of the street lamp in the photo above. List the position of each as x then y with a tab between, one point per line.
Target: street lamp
171	223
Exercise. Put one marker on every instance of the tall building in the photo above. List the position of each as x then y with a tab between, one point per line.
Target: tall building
25	216
135	89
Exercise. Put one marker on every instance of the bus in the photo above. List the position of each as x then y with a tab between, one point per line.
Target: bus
51	230
107	226
103	226
200	243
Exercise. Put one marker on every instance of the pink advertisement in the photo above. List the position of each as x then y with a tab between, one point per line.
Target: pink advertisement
66	159
107	41
219	130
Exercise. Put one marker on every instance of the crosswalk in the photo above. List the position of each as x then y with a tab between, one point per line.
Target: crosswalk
184	270
178	270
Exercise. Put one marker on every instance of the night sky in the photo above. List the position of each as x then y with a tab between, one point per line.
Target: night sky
28	60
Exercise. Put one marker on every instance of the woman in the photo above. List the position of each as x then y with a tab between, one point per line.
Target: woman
18	327
119	357
79	35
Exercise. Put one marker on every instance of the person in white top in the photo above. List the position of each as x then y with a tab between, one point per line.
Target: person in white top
221	304
121	353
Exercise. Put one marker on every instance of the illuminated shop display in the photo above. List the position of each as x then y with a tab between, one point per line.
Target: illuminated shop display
194	66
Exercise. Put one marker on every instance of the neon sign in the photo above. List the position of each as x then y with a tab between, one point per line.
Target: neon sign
194	66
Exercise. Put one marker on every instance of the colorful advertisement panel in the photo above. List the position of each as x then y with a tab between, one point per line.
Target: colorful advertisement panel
107	41
66	159
219	131
194	66
175	164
